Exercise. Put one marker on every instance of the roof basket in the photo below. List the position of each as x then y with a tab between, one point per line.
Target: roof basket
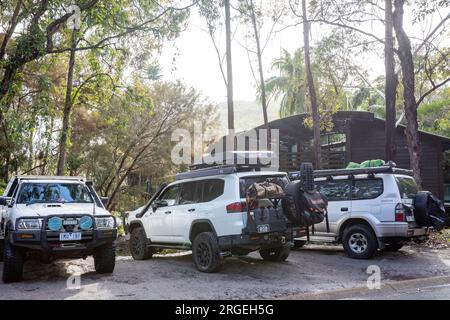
347	172
205	170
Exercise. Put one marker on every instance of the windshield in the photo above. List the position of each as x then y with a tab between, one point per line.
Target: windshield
54	192
246	182
407	187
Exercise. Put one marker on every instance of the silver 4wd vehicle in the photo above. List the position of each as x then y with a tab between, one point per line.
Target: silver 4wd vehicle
371	209
54	217
205	211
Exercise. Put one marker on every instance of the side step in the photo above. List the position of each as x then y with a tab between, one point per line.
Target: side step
317	238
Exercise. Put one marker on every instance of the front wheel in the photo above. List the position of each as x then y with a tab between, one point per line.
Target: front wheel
206	252
138	245
14	260
275	254
105	258
359	242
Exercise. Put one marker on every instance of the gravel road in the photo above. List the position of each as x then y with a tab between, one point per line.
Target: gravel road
311	269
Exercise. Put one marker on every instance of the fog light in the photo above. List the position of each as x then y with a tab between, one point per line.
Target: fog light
86	223
54	223
26	236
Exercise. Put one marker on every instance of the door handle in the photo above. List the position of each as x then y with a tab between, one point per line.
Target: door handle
168	212
344	209
191	210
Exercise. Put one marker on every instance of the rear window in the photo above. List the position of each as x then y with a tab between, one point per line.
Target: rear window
367	189
407	187
201	191
246	182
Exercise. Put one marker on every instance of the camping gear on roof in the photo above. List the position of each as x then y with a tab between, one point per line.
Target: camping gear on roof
429	211
366	164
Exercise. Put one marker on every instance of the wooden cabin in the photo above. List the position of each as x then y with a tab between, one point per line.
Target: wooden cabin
358	136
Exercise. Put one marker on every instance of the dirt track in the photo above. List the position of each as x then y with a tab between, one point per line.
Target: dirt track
311	269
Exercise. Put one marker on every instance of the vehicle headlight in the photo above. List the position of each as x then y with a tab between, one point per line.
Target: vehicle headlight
29	224
105	222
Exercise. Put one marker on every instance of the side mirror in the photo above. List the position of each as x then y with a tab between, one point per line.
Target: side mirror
104	200
158	204
4	201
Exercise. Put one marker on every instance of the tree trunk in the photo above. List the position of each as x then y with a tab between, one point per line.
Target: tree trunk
10	31
229	66
312	91
407	64
67	111
260	66
390	88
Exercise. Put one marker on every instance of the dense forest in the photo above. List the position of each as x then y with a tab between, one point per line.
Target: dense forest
82	92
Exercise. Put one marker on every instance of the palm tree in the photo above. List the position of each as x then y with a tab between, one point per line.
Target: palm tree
290	84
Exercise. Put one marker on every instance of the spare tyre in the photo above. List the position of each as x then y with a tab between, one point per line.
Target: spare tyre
303	208
429	211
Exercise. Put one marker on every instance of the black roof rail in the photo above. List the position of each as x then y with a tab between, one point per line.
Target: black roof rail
355	171
204	170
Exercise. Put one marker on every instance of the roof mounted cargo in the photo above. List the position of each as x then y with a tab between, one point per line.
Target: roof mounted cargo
349	172
204	170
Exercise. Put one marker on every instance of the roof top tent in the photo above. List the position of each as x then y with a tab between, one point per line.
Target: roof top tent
358	136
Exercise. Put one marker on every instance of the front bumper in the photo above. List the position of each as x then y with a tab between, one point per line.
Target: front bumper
400	230
48	241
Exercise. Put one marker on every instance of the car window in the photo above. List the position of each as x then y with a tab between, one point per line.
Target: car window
407	187
170	195
367	189
189	193
54	192
211	189
246	182
336	190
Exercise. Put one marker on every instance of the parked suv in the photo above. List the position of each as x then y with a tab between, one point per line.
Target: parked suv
369	209
54	217
205	211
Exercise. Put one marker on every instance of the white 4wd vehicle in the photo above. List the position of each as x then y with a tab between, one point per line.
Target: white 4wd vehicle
205	211
368	209
54	217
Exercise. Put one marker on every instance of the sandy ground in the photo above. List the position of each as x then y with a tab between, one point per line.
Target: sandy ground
311	269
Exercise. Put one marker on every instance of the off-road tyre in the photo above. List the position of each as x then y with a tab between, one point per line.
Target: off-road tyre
138	245
105	258
13	261
206	252
359	242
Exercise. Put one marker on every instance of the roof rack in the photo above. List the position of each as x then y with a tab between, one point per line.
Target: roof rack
34	177
205	170
374	170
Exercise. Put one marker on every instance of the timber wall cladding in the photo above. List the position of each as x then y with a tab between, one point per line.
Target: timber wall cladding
367	142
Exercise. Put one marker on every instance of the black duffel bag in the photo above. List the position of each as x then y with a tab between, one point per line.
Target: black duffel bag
303	208
429	211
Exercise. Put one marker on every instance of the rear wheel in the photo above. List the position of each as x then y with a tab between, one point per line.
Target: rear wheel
299	244
393	246
206	252
359	242
105	258
2	248
13	258
138	245
275	254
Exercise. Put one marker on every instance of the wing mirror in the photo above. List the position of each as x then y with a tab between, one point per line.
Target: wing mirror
104	200
5	201
158	204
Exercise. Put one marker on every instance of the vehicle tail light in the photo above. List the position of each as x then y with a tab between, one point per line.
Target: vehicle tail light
237	207
399	213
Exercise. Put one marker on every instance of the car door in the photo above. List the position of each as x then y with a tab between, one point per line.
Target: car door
160	218
338	193
366	198
187	210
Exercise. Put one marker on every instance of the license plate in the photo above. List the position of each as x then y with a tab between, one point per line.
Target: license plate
70	222
262	228
410	218
70	236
